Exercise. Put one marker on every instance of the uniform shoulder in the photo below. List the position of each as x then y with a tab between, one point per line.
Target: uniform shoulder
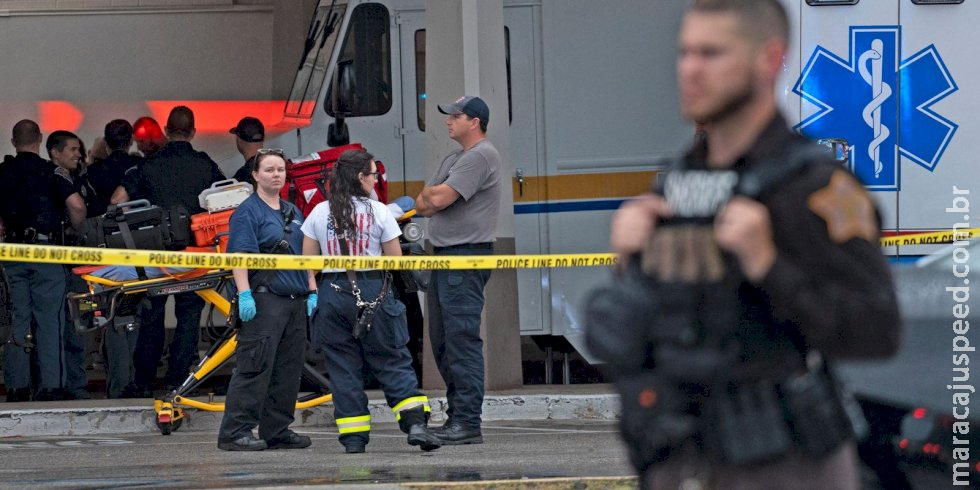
62	172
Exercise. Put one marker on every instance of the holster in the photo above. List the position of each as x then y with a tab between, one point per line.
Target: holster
365	316
819	413
751	427
658	417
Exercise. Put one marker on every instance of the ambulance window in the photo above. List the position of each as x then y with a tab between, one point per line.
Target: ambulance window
831	2
936	2
362	81
318	47
421	96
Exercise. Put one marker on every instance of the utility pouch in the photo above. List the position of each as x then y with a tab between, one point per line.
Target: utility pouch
751	425
817	412
658	418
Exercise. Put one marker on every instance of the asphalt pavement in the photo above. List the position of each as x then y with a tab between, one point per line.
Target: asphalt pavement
531	454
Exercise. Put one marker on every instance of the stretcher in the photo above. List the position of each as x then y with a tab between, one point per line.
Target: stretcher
113	303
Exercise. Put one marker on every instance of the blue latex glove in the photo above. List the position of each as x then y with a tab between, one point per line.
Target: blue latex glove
246	305
311	304
406	203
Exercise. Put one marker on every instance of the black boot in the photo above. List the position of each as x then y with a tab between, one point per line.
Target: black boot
413	422
19	395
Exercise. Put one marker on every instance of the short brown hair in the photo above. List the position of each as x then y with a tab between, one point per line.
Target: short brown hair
181	121
760	20
26	133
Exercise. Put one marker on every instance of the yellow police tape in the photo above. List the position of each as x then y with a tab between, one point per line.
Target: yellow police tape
145	258
946	236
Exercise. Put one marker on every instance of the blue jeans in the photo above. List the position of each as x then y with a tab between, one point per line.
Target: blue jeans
455	301
74	344
37	295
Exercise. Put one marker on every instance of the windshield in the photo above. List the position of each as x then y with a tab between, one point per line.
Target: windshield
320	41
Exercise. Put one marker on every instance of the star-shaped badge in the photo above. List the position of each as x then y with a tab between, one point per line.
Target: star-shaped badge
846	207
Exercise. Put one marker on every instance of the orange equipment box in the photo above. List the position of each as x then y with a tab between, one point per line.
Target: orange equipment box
211	229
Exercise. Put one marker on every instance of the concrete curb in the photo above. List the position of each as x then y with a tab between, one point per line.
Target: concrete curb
101	417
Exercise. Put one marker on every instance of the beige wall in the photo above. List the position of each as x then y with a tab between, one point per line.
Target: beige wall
106	57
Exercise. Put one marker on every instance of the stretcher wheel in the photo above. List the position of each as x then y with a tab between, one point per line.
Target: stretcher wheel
167	427
169	419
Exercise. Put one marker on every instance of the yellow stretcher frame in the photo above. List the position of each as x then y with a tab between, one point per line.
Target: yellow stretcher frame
170	409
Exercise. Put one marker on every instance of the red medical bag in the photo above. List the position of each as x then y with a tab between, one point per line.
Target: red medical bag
308	178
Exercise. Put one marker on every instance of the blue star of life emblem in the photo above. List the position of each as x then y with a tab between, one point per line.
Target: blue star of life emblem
880	103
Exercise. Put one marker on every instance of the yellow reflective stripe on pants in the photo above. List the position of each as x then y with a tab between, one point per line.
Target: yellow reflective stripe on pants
410	403
347	425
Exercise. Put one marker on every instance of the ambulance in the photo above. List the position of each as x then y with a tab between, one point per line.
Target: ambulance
592	113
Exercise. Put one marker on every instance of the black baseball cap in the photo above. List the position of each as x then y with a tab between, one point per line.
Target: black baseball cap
469	105
249	129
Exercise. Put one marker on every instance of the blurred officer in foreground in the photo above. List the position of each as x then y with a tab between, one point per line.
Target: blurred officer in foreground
754	262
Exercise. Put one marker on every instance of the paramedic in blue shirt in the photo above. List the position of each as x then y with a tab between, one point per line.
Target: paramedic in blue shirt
273	306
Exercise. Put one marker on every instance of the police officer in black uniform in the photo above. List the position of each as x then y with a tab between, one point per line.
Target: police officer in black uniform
65	150
173	176
105	175
249	137
33	203
760	262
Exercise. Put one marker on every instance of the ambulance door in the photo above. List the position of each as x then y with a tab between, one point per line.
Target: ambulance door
410	133
612	119
523	50
842	77
939	145
523	54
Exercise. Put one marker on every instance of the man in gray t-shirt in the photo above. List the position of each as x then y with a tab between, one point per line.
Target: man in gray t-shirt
474	175
462	200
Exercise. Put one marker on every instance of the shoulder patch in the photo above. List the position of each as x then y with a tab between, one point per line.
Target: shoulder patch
63	173
846	208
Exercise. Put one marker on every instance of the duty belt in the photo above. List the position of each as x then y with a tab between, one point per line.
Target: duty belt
335	276
264	289
466	246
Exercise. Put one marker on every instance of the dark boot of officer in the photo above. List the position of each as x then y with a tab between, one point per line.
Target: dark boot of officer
413	422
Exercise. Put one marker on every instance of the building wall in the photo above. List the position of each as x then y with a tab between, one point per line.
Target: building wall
76	64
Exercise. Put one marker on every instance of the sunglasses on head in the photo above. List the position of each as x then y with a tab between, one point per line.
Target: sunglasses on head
271	151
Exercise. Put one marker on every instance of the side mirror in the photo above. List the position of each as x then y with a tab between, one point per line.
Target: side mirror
341	99
337	133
